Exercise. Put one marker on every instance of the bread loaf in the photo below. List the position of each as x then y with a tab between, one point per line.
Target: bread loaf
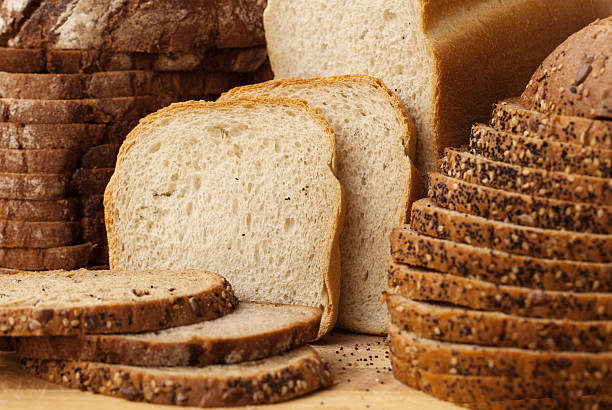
54	210
64	257
45	161
34	186
38	234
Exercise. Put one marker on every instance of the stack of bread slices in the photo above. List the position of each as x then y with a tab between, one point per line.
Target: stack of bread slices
501	286
168	337
75	78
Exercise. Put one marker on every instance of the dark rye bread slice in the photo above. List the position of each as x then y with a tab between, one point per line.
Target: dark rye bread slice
64	257
34	186
278	378
38	234
432	220
38	161
526	180
100	156
254	331
470	360
92	206
499	267
540	153
56	210
512	117
527	210
74	137
426	285
101	110
91	181
15	60
462	325
79	302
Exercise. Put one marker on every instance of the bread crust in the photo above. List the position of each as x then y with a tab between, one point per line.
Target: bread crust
65	257
57	161
34	186
302	373
57	210
38	234
149	313
91	181
100	156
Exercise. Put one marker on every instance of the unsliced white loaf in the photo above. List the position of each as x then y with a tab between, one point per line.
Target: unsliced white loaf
245	188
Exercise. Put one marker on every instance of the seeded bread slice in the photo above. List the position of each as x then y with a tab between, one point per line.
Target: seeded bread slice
462	325
540	153
91	181
278	378
470	360
56	210
512	117
46	161
254	331
34	186
432	220
526	210
38	234
65	257
421	284
499	267
526	180
82	301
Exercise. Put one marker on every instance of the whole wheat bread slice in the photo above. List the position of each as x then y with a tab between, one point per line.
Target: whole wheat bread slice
91	181
526	180
541	153
469	360
374	141
510	116
34	186
38	234
46	161
83	302
426	285
278	378
254	331
462	325
64	257
499	267
526	210
55	210
432	220
257	202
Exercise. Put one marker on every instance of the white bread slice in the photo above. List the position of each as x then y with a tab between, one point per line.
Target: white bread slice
374	138
448	61
245	187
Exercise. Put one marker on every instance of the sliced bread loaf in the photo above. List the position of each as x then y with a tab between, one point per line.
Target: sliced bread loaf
55	210
541	153
256	200
510	116
497	266
91	181
38	234
421	284
374	138
283	377
34	186
462	325
432	220
45	161
254	331
82	301
526	210
64	257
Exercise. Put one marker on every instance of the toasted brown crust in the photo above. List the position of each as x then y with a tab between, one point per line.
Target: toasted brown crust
509	116
46	161
170	310
57	210
526	210
498	267
38	234
240	23
462	325
65	257
91	181
540	153
421	284
576	78
298	376
34	186
526	180
431	220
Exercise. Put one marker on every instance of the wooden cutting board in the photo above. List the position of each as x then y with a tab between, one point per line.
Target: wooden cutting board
363	380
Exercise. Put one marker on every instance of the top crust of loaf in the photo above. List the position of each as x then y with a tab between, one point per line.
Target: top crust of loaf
331	279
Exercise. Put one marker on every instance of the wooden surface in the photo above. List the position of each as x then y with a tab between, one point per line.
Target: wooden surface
363	380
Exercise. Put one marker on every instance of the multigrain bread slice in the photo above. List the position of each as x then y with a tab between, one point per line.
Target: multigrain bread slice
55	210
100	156
258	200
278	378
34	186
45	161
432	220
551	403
63	257
510	116
374	141
38	234
91	181
82	302
500	267
541	153
426	285
526	180
469	360
462	325
254	331
526	210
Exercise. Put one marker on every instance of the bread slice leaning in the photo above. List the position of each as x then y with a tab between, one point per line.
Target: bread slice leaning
244	188
374	138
